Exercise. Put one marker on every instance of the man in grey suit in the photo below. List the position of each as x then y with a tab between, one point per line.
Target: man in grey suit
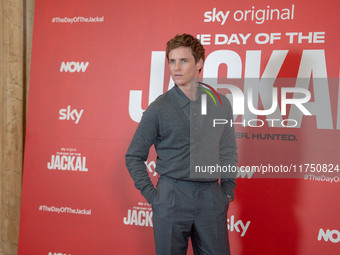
184	206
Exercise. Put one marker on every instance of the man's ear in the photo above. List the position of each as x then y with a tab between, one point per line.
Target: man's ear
199	64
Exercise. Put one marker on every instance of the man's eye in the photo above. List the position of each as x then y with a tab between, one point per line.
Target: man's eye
184	61
171	61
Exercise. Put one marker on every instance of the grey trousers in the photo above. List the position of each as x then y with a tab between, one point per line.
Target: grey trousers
183	209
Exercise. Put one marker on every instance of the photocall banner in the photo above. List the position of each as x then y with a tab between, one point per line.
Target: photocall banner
97	65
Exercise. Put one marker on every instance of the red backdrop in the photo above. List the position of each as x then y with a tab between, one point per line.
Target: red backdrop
96	65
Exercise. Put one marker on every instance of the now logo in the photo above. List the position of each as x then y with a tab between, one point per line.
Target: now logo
57	253
332	235
73	67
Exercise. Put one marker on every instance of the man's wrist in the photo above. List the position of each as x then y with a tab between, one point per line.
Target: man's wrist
230	198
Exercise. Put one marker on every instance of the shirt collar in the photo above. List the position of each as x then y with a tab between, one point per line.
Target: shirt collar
181	98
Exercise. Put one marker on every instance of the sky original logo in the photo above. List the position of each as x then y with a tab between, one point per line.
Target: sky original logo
69	114
204	97
259	16
73	67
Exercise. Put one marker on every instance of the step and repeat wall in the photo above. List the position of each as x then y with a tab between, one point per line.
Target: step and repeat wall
97	65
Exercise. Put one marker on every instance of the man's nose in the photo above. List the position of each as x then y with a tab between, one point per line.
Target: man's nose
177	65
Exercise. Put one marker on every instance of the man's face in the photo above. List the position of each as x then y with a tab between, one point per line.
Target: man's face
182	66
